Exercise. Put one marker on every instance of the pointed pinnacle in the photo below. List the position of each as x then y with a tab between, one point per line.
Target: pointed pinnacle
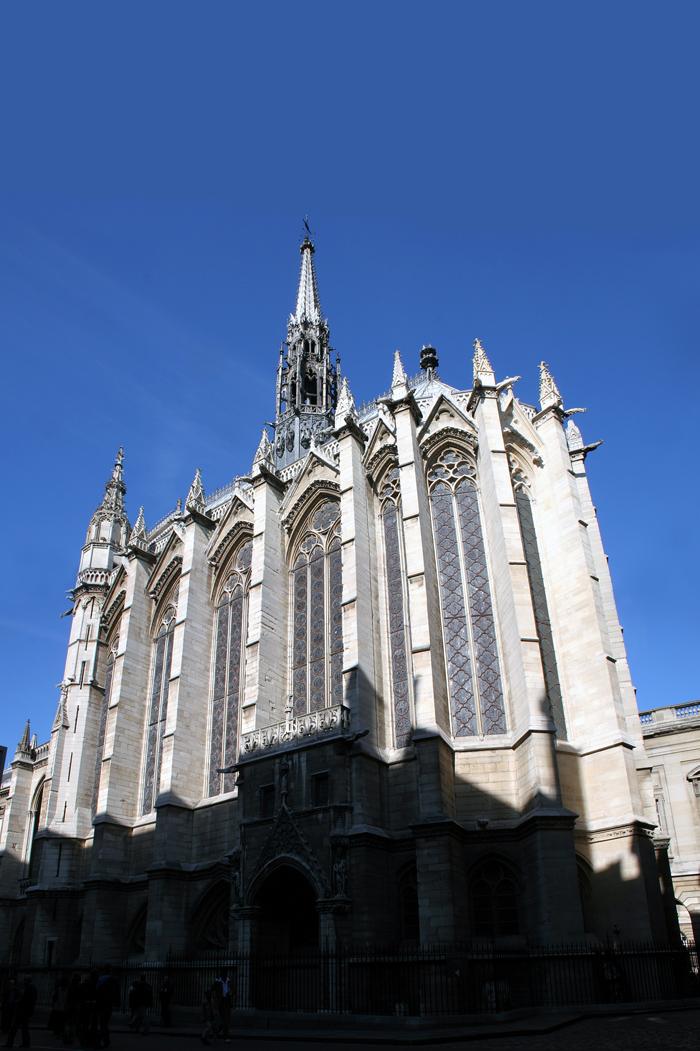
549	392
139	530
346	404
24	740
483	369
195	497
398	376
263	453
574	438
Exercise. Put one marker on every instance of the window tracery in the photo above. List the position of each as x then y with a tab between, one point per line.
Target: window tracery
389	494
494	901
317	625
158	709
102	726
473	673
229	671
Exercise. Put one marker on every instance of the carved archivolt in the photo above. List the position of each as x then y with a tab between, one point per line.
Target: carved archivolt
311	493
113	611
227	552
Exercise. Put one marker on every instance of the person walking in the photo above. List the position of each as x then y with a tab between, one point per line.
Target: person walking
24	1009
224	1000
165	995
106	999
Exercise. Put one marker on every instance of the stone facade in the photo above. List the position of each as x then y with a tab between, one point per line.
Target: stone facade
672	742
373	691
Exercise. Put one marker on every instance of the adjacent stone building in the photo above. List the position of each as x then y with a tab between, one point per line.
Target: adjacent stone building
373	691
672	742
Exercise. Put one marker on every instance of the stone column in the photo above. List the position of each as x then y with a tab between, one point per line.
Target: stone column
266	685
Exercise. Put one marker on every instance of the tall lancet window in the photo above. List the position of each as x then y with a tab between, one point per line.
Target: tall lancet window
396	609
317	624
158	709
473	674
229	671
102	725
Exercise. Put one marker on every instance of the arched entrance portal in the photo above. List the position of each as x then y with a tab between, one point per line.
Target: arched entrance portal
288	920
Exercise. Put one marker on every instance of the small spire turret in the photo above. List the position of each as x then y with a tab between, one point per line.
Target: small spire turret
346	404
24	741
138	533
483	369
264	452
549	392
399	380
195	500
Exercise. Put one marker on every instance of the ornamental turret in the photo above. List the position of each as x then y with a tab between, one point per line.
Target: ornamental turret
107	533
307	378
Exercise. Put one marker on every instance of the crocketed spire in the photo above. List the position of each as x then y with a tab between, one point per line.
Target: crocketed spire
549	392
483	369
195	498
308	303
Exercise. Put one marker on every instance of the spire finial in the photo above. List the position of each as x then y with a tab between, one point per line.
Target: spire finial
346	404
113	500
264	451
25	739
308	304
195	498
138	533
398	377
483	369
549	392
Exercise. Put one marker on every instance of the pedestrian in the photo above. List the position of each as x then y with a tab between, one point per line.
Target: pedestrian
106	1000
24	1009
73	1004
210	1013
224	999
140	1002
165	995
10	996
57	1018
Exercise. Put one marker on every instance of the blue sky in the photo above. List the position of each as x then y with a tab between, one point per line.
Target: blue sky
526	173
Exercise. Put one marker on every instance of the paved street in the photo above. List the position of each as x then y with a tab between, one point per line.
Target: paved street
671	1030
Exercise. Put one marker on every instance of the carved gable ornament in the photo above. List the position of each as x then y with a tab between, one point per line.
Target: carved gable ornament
446	421
381	445
316	476
167	568
237	521
286	841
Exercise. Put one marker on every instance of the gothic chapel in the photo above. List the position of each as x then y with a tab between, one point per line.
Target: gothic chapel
373	691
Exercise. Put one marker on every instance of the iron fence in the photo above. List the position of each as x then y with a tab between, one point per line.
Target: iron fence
426	981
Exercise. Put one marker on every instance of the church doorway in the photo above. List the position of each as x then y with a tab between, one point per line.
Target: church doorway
287	921
287	971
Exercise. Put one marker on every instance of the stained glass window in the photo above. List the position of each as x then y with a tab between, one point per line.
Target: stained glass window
398	653
473	673
158	709
317	615
540	608
102	726
229	671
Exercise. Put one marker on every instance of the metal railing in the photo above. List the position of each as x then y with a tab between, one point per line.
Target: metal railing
417	982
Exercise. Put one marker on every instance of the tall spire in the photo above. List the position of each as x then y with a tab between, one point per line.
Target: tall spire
398	376
308	304
307	378
115	489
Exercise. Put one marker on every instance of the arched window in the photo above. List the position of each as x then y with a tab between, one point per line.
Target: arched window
35	818
210	921
229	670
102	725
317	623
494	901
539	602
158	710
473	674
389	495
